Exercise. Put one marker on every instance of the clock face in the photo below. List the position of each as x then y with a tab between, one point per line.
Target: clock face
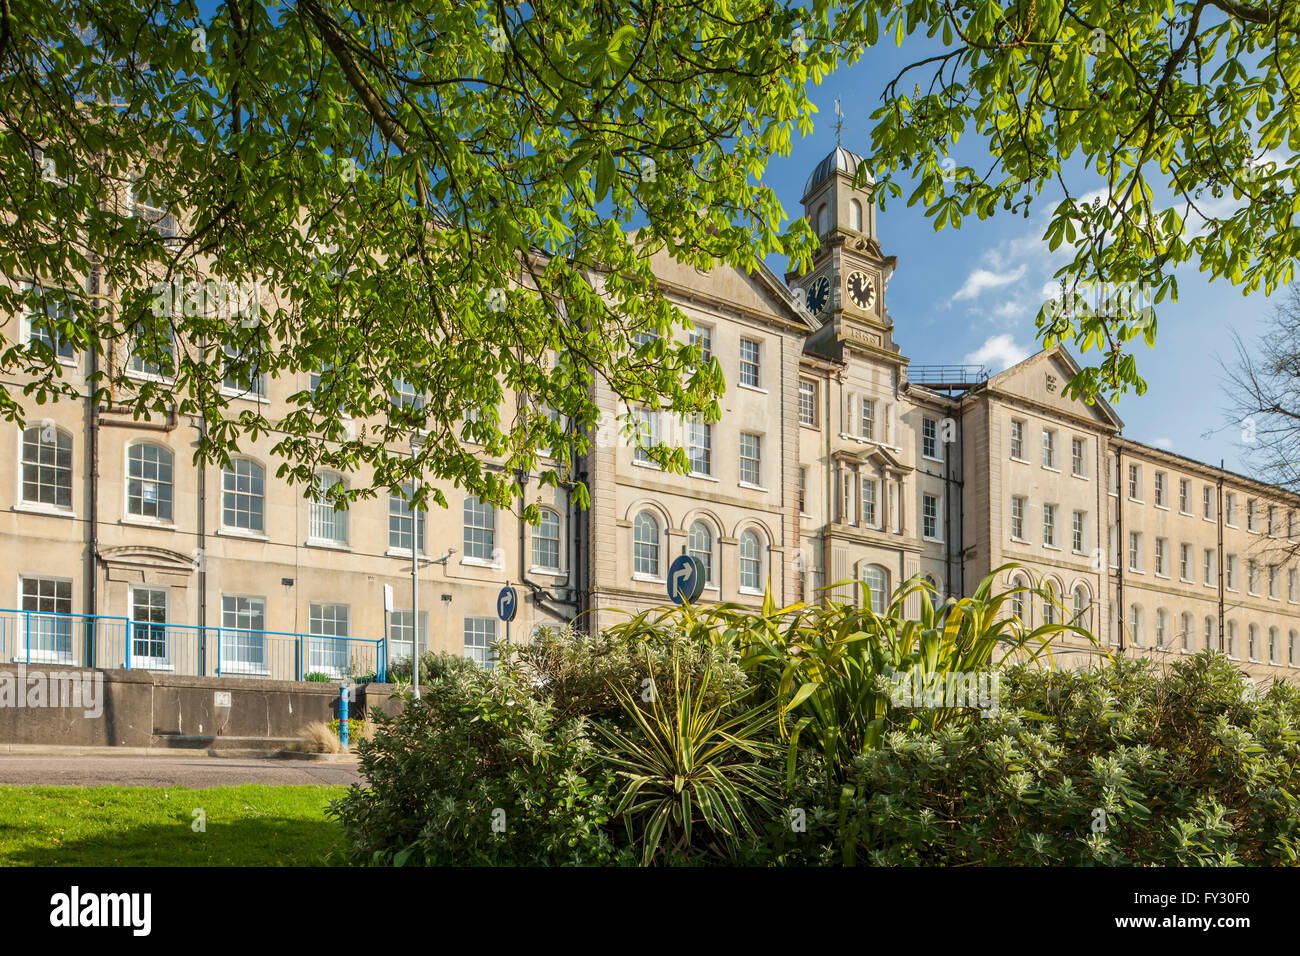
819	293
862	291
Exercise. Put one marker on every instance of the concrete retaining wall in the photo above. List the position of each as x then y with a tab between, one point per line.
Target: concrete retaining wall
67	706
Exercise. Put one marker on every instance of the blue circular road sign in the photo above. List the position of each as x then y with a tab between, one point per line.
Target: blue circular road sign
507	603
685	578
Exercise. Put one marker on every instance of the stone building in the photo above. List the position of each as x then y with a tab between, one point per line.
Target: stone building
835	459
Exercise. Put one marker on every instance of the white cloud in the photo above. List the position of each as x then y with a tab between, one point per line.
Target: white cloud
997	352
1166	443
982	280
1011	309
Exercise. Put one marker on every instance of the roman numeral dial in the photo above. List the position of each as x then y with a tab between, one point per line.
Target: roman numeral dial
819	293
862	290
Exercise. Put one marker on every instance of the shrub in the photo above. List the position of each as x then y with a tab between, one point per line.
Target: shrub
477	771
358	730
434	666
693	779
586	675
771	737
1120	765
503	766
828	666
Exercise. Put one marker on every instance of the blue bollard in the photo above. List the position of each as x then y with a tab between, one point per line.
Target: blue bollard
343	715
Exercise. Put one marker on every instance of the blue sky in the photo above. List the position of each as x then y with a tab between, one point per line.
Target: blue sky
970	295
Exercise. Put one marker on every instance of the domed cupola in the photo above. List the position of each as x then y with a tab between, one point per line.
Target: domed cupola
836	208
839	160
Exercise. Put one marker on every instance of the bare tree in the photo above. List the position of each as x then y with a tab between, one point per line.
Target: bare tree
1264	400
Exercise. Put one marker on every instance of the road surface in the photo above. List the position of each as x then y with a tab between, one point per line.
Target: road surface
196	771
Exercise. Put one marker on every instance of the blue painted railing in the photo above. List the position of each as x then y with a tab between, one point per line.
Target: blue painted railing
118	642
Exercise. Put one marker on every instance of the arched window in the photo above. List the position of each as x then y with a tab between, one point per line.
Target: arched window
1019	606
823	220
877	579
1209	633
1232	639
243	495
1135	624
325	523
699	544
1187	626
1162	627
855	215
1273	655
645	545
1049	602
546	541
149	481
1252	642
1293	649
1082	607
751	561
47	467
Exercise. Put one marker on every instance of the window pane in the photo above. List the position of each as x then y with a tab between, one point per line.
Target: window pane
242	495
149	482
399	521
480	529
546	541
699	544
326	523
751	563
243	643
480	632
47	467
645	545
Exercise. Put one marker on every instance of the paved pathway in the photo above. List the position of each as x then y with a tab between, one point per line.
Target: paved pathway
195	771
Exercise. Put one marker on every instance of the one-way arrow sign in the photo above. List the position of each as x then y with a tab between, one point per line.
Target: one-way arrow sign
685	578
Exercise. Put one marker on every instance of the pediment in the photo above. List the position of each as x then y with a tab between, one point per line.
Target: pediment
876	455
141	557
1041	379
759	293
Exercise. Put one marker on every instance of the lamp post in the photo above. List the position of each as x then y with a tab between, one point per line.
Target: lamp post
416	443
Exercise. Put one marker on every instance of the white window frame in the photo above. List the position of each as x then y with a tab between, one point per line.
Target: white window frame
751	459
322	516
750	363
40	653
232	664
144	661
259	531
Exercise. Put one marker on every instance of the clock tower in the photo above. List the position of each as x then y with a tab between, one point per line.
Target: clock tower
845	289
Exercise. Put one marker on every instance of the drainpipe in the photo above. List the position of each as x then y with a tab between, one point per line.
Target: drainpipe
92	527
947	519
1223	640
832	482
1119	546
202	535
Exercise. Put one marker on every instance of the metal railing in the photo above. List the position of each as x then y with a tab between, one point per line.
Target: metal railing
947	376
36	637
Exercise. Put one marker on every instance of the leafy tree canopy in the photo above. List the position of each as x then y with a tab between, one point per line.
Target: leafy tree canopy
440	193
1166	131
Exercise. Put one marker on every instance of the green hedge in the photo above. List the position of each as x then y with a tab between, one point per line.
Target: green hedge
688	738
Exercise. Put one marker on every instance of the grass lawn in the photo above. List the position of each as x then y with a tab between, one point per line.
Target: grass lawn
153	826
